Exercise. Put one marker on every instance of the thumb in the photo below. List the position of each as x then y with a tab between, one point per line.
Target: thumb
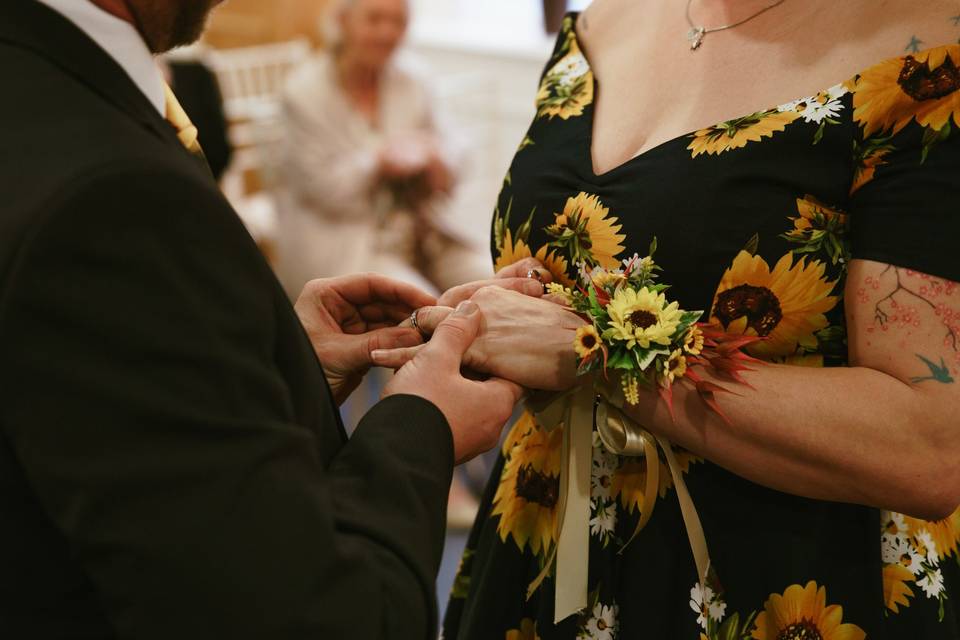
454	335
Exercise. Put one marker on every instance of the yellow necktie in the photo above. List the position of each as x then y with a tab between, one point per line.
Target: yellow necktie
186	131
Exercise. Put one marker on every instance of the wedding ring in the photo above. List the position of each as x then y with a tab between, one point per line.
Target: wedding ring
534	274
416	323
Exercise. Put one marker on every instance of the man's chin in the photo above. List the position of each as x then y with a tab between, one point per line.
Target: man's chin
182	25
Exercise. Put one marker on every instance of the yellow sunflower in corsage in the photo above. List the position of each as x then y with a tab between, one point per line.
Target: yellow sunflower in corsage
637	334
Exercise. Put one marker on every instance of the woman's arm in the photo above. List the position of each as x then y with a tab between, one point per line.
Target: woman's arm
882	432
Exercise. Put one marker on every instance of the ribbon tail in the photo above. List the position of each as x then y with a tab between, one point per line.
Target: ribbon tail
651	488
695	535
532	588
574	527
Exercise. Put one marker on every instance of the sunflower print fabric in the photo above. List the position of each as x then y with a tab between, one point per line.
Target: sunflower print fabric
757	219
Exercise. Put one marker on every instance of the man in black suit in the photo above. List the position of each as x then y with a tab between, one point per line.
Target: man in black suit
171	460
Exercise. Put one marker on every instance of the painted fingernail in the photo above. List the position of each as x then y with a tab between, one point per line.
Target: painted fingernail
466	308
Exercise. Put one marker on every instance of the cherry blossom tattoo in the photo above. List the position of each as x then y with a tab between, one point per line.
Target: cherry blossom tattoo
909	300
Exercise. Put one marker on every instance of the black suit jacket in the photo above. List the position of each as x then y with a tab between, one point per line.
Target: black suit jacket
171	462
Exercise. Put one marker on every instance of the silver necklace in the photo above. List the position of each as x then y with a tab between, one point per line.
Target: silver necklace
697	32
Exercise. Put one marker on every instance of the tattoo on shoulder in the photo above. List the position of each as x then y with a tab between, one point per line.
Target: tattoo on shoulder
916	44
937	372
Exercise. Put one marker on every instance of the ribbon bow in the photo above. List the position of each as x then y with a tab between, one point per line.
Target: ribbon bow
577	411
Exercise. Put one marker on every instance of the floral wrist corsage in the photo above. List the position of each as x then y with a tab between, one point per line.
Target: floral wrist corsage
636	333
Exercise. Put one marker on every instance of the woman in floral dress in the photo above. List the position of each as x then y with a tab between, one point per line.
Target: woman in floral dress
826	221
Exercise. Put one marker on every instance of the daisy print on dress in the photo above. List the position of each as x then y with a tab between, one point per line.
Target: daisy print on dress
710	609
821	109
603	508
601	623
912	550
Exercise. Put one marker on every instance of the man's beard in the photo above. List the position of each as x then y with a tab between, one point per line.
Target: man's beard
170	24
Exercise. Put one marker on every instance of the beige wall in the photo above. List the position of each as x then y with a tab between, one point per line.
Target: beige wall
240	23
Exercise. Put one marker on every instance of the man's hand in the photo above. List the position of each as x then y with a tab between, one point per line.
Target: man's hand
475	410
348	317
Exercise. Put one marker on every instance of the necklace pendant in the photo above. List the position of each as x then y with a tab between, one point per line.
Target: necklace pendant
695	36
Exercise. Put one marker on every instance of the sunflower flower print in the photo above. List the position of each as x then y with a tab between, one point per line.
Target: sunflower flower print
786	304
868	155
802	612
586	233
737	133
526	498
819	228
527	631
924	86
567	87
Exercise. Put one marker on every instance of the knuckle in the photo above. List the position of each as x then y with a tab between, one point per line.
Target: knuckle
486	292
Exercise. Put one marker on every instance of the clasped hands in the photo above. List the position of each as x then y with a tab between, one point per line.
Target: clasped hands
502	332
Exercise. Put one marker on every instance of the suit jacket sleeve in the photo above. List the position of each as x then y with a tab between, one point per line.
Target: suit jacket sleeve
144	405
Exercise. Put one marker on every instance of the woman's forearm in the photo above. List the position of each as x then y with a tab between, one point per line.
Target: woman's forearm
846	434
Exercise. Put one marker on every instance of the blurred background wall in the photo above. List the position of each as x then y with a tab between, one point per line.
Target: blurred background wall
485	59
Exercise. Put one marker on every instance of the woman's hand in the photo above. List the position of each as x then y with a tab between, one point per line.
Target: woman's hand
523	339
526	276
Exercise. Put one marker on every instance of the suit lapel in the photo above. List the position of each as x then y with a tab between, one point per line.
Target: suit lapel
34	26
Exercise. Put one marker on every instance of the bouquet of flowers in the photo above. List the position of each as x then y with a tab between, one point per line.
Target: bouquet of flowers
634	332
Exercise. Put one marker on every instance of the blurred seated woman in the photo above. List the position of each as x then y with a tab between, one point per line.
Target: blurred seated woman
365	165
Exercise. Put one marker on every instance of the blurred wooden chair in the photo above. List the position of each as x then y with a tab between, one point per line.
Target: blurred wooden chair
251	80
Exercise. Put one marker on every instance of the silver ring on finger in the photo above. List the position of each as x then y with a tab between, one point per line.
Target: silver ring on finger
416	323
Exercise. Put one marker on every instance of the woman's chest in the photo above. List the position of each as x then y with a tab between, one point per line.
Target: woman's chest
750	217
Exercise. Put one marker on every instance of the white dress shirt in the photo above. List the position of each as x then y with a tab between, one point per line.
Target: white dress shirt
121	41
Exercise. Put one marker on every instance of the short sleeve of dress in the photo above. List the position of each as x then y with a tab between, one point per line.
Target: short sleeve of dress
905	196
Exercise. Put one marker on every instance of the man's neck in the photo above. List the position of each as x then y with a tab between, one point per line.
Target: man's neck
117	8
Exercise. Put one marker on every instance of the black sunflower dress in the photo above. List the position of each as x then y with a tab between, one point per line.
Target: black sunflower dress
756	219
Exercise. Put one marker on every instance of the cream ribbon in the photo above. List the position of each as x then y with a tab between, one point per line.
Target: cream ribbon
576	411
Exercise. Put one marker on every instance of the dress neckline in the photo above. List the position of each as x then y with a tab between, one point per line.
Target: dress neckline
671	141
